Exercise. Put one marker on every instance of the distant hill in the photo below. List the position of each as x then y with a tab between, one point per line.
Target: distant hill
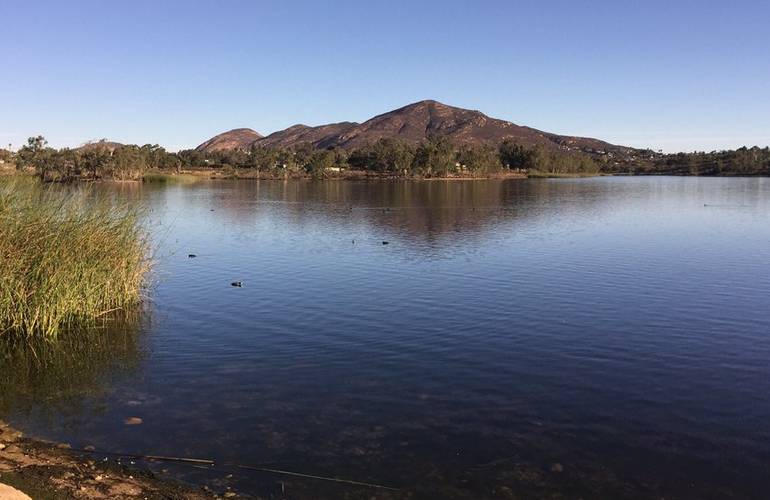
238	138
414	124
102	144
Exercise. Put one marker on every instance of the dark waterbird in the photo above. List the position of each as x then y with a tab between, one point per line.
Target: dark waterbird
238	284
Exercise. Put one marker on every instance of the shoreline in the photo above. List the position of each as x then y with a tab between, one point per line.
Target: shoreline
194	175
352	175
52	471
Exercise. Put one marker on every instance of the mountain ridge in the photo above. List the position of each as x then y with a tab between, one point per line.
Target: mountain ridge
413	123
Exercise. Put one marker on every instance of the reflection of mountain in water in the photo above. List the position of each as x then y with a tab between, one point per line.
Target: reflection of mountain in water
421	214
425	215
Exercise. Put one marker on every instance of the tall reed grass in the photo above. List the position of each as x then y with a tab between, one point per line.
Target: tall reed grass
67	258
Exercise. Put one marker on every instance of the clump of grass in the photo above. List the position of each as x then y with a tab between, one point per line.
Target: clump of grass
67	258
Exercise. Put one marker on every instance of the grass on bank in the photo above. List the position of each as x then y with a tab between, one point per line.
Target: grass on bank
67	258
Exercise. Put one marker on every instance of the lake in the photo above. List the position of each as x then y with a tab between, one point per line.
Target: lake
574	338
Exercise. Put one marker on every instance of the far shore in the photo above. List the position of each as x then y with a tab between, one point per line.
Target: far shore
193	175
335	175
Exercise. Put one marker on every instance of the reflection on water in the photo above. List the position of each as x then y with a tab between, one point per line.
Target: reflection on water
49	379
595	338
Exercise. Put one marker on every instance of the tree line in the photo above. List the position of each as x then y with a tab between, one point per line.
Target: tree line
99	160
741	161
436	157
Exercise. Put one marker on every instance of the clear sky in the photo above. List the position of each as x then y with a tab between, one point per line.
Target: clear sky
672	75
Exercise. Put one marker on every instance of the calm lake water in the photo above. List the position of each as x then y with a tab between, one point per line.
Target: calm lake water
594	338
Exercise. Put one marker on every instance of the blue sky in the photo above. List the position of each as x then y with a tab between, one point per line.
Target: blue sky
671	75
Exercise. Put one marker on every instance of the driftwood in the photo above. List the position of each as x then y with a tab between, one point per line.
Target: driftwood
159	458
310	476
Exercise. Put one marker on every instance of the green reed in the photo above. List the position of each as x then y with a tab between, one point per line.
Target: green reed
67	258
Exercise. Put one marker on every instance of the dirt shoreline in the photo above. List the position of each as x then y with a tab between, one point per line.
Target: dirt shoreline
50	471
347	175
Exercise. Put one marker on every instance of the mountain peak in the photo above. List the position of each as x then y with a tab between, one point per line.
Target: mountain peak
429	104
426	102
237	138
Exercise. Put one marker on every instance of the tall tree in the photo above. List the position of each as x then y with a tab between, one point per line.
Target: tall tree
434	157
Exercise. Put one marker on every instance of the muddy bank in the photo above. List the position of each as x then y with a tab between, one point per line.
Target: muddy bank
47	471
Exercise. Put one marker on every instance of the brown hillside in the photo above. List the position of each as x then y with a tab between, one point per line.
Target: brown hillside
103	144
239	138
320	137
416	123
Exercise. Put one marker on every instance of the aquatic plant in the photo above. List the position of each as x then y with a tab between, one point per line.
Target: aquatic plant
67	258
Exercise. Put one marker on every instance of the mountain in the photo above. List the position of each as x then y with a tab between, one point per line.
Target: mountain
416	123
238	138
321	137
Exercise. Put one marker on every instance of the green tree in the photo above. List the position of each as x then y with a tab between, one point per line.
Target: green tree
37	155
191	158
319	162
94	158
287	161
302	155
262	158
515	156
6	157
480	159
386	156
434	157
340	157
127	162
63	164
393	155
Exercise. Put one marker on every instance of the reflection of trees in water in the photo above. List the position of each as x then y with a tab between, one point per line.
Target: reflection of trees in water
424	214
421	212
64	372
